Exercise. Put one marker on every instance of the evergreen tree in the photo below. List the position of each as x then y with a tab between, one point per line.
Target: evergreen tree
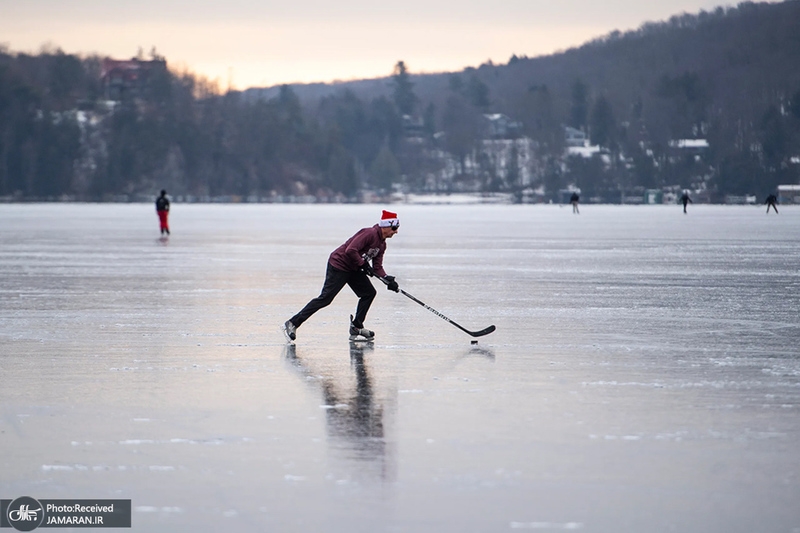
478	92
580	105
385	170
404	97
602	124
461	126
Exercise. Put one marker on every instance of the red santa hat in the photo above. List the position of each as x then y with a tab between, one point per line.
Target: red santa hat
389	219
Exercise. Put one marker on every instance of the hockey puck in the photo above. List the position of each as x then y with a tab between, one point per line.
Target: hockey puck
473	342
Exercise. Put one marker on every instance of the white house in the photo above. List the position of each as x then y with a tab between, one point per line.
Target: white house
575	137
500	126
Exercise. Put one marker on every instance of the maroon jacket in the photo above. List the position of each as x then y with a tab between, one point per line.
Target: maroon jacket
368	243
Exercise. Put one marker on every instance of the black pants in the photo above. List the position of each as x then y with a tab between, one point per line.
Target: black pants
335	280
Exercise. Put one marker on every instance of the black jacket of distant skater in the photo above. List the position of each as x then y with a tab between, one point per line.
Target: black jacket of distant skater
162	204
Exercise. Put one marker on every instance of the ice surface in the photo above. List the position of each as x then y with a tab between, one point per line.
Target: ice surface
644	375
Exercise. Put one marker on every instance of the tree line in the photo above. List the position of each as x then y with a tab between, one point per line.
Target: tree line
730	77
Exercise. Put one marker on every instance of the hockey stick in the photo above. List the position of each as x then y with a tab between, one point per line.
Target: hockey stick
481	333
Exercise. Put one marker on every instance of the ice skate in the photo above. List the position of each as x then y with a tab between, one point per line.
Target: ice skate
360	334
289	331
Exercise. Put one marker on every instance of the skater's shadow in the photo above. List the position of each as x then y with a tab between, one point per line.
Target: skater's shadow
354	416
486	353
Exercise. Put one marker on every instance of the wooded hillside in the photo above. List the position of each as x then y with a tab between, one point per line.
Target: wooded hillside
730	77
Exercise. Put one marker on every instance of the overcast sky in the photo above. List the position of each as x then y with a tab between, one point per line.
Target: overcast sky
268	42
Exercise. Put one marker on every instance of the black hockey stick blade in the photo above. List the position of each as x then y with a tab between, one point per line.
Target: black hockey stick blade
484	331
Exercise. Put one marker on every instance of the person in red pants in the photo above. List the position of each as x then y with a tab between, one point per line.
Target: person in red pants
162	208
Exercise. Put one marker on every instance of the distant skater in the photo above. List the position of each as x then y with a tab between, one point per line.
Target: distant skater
349	264
574	200
685	200
162	208
771	201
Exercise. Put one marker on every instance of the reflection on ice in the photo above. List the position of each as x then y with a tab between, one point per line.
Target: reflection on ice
353	410
488	353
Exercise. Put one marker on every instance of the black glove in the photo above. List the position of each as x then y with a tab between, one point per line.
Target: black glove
392	284
367	268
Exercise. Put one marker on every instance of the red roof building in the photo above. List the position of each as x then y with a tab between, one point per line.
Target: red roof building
126	79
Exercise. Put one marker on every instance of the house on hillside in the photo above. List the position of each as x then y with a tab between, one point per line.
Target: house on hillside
500	126
789	194
413	127
125	79
577	144
691	147
575	137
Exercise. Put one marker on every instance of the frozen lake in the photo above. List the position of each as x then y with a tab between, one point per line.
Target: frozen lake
644	375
